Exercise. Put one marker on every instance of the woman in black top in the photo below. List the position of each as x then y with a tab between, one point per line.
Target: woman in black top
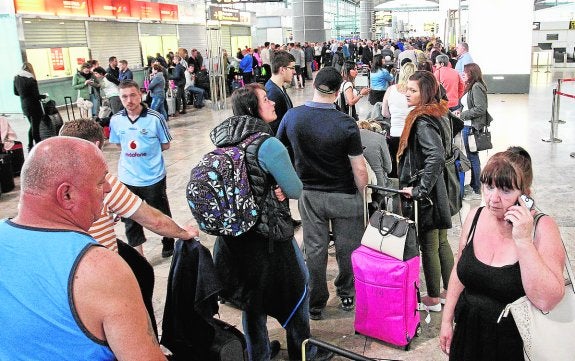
503	255
26	87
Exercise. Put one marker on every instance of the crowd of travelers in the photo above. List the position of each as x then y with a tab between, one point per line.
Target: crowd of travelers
81	301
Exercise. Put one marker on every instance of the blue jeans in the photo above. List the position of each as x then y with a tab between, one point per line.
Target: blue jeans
95	99
297	328
473	159
198	94
158	105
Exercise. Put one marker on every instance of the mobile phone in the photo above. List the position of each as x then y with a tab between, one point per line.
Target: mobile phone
528	201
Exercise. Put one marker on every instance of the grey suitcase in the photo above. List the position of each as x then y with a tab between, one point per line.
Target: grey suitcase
171	100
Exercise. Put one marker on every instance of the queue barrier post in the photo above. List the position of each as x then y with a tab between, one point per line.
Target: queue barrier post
558	103
553	121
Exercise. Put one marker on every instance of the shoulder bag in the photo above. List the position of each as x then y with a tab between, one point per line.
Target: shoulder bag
389	233
479	140
546	335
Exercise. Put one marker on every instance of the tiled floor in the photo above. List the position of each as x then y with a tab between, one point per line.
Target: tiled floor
519	120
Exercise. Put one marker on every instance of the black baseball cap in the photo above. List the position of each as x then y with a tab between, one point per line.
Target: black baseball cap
327	80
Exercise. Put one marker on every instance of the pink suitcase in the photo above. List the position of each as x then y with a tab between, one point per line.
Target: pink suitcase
386	296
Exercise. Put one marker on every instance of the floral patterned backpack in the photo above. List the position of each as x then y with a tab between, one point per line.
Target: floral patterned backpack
219	192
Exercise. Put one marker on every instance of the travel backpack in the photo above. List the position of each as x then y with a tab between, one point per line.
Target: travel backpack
219	192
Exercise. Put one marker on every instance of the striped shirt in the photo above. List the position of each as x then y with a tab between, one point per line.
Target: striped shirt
120	201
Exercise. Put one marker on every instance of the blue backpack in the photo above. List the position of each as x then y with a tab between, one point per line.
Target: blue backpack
219	192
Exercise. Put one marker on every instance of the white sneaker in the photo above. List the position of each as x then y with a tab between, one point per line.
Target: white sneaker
434	308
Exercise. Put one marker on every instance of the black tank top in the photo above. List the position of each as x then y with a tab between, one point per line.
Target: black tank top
488	290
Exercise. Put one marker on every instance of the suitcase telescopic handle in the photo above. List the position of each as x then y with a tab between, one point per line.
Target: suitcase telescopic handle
383	189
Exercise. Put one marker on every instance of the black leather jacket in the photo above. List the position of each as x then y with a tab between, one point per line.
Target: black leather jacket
421	167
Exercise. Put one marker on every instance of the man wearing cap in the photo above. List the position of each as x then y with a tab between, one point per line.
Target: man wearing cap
333	172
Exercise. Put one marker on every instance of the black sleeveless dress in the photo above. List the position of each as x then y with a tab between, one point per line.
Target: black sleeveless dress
488	289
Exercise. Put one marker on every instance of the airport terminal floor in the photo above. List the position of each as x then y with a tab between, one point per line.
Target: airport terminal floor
519	119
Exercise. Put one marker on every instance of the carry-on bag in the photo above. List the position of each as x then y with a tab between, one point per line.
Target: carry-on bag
171	100
16	156
386	292
389	233
6	174
386	296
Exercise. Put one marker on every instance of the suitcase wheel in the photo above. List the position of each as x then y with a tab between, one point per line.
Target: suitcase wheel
406	348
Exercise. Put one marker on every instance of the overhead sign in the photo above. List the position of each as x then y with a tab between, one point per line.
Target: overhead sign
120	9
52	7
219	13
382	18
110	8
145	10
243	1
169	12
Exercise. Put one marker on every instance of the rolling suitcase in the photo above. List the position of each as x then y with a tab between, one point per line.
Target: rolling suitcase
386	295
171	100
16	157
6	174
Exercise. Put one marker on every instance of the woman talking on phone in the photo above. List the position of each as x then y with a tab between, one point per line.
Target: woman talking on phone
503	255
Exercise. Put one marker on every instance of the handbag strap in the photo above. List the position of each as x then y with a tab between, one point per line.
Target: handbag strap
391	229
536	219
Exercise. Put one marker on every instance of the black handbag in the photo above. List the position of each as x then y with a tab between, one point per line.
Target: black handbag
480	140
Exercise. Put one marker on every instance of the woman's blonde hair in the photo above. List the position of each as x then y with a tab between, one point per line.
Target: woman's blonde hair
369	125
407	70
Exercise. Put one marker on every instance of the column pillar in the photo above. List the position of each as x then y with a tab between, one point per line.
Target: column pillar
365	18
500	36
443	20
308	23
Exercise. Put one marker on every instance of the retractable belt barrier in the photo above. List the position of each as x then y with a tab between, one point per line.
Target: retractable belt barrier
555	107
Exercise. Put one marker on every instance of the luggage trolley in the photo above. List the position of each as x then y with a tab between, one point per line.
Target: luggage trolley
362	78
336	350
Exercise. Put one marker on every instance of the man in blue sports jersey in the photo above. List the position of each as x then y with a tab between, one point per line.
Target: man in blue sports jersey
142	135
64	297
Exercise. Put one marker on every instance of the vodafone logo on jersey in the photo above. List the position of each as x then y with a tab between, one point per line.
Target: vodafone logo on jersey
132	153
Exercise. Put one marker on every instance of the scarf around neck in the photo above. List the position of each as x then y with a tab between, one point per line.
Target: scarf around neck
435	110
